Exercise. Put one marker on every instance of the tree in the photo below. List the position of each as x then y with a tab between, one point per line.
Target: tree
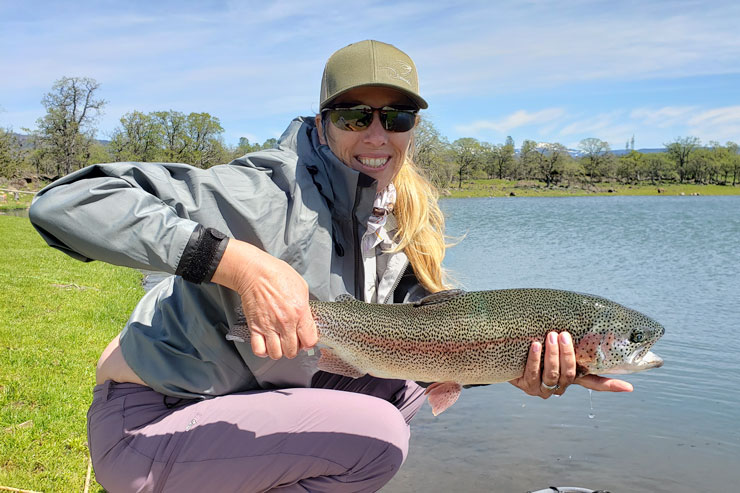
431	153
550	159
629	166
658	167
528	160
270	143
468	154
597	157
65	133
733	161
244	147
500	158
99	153
680	151
139	138
11	158
204	146
173	125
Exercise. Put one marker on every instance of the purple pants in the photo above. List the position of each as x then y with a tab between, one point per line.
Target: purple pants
345	435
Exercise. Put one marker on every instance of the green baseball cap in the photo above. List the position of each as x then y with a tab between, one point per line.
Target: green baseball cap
369	63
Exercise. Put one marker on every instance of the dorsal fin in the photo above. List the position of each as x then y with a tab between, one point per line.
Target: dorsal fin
440	297
345	298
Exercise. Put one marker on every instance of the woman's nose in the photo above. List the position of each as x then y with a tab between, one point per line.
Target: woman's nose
375	134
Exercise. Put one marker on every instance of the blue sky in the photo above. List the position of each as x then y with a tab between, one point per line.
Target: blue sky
543	70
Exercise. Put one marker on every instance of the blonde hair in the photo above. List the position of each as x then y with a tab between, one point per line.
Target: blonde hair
421	226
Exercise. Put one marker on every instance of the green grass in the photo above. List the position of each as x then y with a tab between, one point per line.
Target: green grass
504	188
56	316
23	202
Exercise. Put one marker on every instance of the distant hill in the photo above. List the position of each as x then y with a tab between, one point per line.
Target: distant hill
576	153
620	152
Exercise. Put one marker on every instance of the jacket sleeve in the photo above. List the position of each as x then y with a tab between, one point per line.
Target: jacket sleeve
141	215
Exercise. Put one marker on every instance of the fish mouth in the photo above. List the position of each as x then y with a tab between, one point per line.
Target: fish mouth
640	360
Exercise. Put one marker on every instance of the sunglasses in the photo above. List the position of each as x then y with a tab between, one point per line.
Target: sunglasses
359	117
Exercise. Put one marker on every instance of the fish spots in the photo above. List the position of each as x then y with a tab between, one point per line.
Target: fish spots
481	337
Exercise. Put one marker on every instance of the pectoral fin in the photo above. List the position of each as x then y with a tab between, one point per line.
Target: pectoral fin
442	395
334	364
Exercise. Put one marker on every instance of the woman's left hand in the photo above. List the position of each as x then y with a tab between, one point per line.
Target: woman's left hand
560	370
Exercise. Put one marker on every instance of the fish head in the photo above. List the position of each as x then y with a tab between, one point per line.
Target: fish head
619	342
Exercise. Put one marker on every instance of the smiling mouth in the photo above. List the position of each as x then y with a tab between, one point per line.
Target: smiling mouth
373	162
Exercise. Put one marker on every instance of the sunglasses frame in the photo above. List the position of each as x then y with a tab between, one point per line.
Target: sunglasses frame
366	109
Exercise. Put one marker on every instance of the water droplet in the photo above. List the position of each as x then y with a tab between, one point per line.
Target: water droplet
591	414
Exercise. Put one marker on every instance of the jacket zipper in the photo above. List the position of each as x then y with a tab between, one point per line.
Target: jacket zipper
398	281
359	271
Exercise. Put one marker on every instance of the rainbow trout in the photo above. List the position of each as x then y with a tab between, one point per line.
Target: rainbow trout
455	338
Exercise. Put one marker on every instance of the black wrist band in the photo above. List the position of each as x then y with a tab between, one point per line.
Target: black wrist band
202	255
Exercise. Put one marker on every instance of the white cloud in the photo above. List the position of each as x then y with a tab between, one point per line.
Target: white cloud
664	117
514	120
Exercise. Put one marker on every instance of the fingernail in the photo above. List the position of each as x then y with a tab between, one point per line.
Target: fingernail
552	337
536	347
565	338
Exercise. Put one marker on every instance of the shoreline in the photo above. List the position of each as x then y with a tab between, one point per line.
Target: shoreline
510	188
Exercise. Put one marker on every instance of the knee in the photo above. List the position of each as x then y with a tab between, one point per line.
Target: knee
382	421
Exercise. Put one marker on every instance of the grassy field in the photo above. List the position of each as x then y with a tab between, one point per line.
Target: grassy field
505	188
23	202
56	316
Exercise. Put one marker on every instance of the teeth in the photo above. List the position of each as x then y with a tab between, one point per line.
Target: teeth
373	162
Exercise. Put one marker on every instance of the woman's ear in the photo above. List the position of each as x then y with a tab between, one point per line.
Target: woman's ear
320	130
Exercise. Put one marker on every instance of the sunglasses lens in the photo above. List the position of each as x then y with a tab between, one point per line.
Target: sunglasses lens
352	120
358	118
398	120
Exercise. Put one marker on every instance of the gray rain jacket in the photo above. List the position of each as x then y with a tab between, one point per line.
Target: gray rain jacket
297	202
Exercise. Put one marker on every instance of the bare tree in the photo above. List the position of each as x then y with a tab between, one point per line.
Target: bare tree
64	134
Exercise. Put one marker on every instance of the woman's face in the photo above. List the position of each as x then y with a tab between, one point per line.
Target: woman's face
374	151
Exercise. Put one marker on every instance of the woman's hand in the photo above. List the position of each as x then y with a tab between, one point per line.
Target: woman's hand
560	370
274	298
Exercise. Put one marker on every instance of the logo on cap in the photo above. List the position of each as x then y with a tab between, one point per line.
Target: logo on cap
403	69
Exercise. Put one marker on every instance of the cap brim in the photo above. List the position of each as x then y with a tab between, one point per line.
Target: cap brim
415	98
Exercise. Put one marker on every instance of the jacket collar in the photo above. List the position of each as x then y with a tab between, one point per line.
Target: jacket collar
338	183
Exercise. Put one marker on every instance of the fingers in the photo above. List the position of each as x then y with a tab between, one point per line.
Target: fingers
595	382
531	379
276	331
558	370
567	362
307	333
551	370
274	298
258	343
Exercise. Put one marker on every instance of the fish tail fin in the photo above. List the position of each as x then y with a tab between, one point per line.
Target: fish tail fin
442	395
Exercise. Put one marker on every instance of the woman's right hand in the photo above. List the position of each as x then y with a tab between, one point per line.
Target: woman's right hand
274	298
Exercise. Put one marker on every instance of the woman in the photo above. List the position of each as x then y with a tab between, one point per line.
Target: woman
337	208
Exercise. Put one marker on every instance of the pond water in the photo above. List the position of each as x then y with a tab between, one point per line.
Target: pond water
672	258
14	212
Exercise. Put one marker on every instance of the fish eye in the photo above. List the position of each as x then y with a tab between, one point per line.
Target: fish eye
637	336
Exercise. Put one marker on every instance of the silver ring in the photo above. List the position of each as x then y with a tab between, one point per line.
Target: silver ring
551	388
